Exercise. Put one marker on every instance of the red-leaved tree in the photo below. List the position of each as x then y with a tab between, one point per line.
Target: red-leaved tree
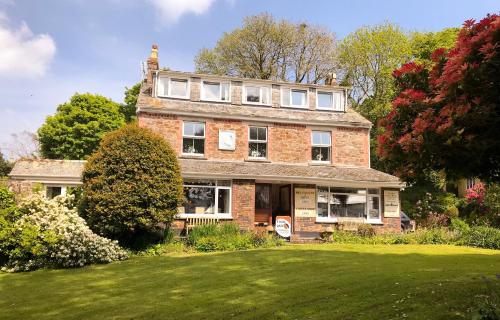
448	118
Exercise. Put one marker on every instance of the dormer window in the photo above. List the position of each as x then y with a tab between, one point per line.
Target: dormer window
294	98
215	91
173	88
254	94
330	100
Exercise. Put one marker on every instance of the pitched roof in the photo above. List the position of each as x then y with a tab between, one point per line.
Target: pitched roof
45	170
287	172
267	114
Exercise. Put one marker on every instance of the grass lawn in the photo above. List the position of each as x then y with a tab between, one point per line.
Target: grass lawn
291	282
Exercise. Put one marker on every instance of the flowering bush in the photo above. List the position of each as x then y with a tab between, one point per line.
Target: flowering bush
482	205
49	233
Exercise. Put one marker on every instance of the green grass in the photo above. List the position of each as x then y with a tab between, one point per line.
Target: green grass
291	282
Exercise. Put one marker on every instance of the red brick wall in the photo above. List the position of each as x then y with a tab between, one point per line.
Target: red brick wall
169	127
212	142
350	146
243	203
289	143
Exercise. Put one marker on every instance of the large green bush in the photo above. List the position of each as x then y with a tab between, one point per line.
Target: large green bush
228	237
131	186
45	232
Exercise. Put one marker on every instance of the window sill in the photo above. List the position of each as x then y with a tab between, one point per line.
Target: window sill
327	220
183	216
320	163
263	160
216	101
192	156
296	107
255	104
175	97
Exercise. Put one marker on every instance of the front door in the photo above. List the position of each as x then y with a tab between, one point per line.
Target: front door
263	206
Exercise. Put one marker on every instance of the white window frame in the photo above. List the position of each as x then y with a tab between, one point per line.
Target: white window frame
322	146
336	219
64	188
332	107
216	214
169	95
305	106
258	141
270	93
194	137
470	183
203	96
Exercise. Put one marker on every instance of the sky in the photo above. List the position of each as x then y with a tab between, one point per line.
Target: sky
53	48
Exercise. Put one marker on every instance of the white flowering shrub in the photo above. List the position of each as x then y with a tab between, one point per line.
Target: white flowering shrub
50	233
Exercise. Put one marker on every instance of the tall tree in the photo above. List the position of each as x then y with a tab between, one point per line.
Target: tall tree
448	118
128	109
423	44
5	166
265	48
76	129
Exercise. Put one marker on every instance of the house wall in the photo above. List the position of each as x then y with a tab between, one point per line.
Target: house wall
287	143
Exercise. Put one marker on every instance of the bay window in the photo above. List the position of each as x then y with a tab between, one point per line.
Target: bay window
254	94
193	138
206	197
257	142
173	88
215	91
296	98
321	146
334	203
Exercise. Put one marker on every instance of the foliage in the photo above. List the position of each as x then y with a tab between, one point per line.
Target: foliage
481	205
366	230
492	201
448	118
131	186
128	109
265	48
423	44
47	233
76	129
228	237
5	166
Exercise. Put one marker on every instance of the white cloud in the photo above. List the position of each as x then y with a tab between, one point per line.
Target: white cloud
171	10
23	54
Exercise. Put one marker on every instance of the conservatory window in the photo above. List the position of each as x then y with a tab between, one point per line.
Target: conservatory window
206	198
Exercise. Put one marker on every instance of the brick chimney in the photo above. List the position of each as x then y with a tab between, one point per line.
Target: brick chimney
331	79
152	64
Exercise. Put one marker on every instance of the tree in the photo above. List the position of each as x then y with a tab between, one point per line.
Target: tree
76	129
448	118
128	109
131	185
265	48
5	166
423	44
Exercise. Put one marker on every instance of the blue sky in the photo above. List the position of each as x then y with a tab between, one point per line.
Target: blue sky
51	49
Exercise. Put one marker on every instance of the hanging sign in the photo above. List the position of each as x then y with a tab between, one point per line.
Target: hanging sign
305	202
391	203
283	226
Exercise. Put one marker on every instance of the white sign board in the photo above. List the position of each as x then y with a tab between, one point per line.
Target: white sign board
305	202
391	203
227	140
283	227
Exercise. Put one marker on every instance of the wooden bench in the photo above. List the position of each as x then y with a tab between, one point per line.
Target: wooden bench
198	221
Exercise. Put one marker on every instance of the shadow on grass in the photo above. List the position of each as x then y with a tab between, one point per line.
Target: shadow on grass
309	282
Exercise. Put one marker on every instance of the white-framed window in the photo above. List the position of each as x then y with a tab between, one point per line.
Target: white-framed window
257	94
193	138
216	91
52	191
295	98
257	142
470	183
173	87
206	197
330	100
321	146
334	203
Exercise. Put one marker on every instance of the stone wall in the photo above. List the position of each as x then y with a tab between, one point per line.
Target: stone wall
350	146
289	143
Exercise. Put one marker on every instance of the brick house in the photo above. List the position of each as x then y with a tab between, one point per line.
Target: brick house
252	150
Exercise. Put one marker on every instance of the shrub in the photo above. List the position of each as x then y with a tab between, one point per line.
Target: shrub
482	237
228	237
131	186
366	230
47	233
